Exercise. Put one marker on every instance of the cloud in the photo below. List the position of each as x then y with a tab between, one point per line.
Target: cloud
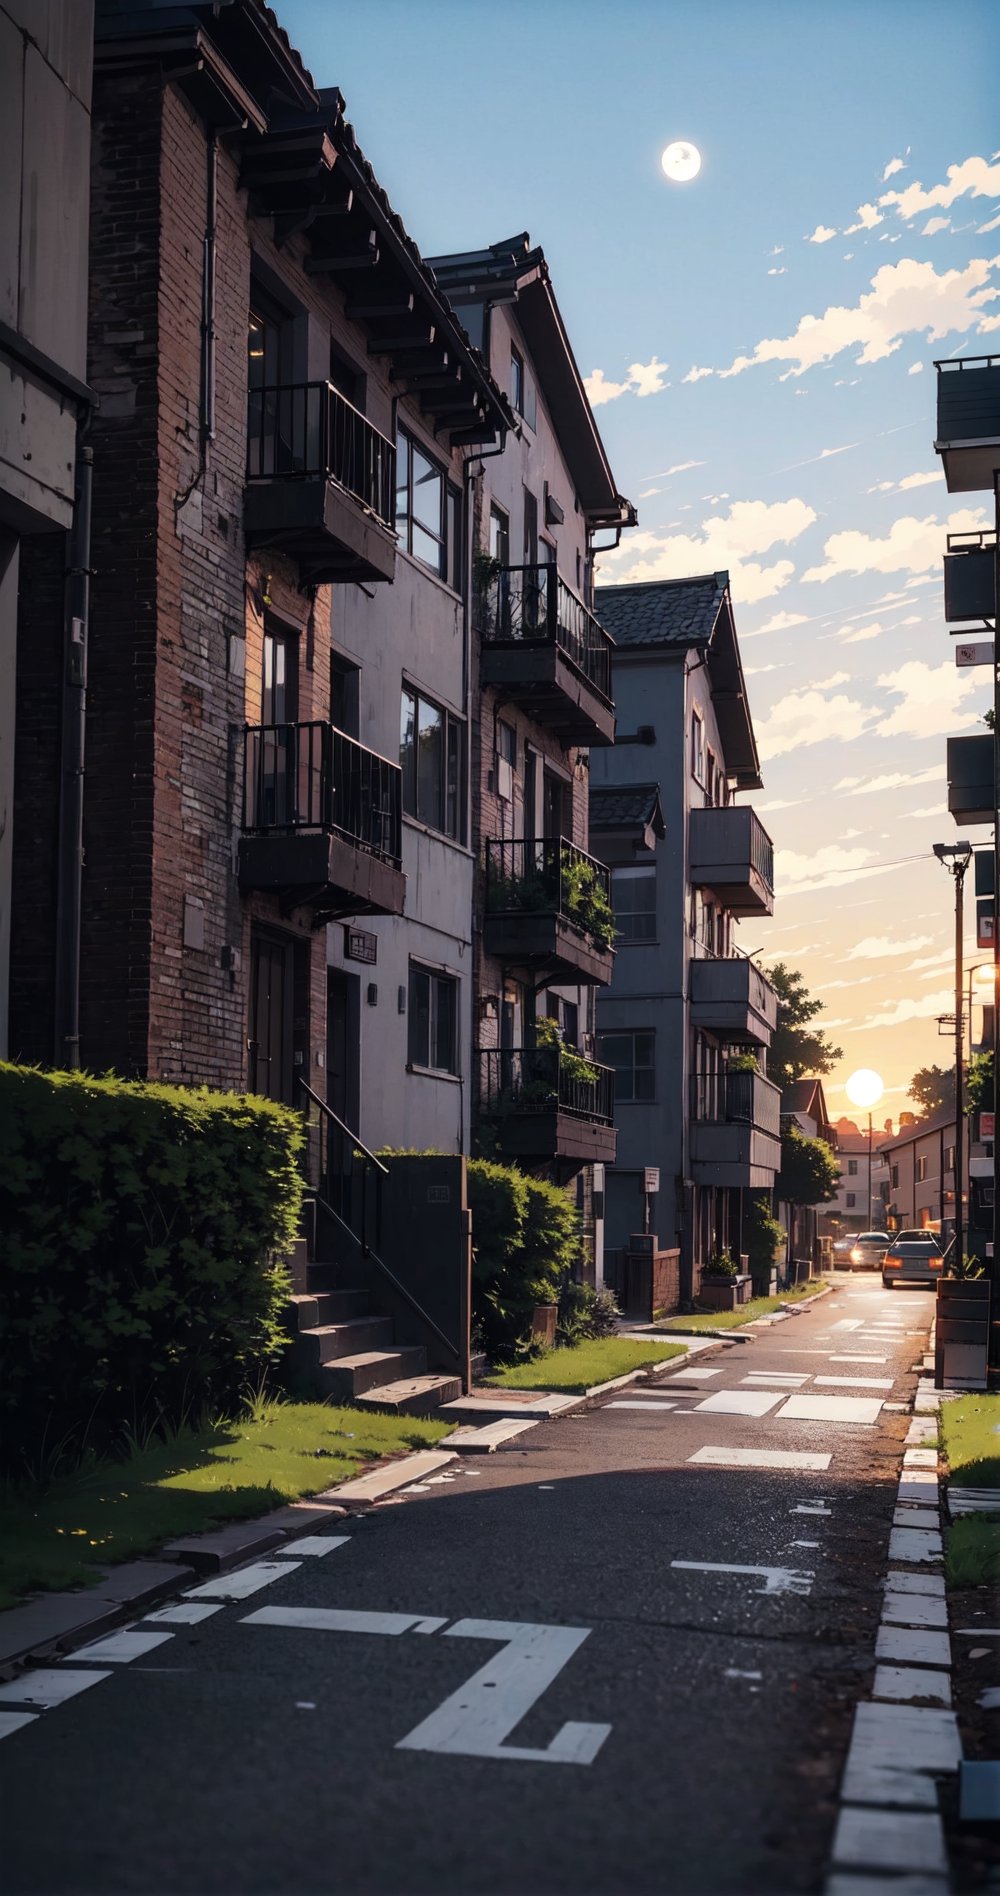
829	684
891	780
680	467
695	375
882	947
926	811
908	481
911	546
915	368
825	454
975	177
861	980
642	378
599	389
905	298
647	378
757	671
781	271
778	622
822	234
867	217
983	229
909	1009
806	717
648	492
799	871
894	165
930	700
776	250
940	960
862	634
934	224
730	540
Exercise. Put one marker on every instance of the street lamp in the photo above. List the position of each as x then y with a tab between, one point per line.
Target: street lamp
956	858
864	1089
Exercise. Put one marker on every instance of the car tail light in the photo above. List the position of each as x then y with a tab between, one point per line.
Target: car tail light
935	1263
892	1263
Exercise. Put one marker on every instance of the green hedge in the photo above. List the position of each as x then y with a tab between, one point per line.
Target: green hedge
138	1282
526	1240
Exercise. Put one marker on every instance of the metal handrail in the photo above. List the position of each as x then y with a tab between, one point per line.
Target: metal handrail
313	776
302	429
544	875
736	1098
372	1157
982	542
535	1079
533	605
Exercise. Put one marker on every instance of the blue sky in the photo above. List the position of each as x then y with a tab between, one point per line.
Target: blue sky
551	117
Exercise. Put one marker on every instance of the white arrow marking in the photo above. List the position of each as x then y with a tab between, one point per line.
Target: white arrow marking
474	1721
776	1579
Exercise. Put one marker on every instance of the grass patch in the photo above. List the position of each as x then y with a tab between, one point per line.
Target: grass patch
970	1428
577	1367
733	1319
972	1557
201	1478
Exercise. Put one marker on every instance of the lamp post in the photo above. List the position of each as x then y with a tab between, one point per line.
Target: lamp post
956	858
864	1088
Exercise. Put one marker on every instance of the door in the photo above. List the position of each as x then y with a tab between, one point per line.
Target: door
534	580
554	801
269	1044
278	704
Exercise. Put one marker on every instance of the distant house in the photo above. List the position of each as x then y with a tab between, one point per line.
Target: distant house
920	1161
803	1106
855	1209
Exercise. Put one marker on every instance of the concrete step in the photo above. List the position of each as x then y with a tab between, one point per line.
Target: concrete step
348	1377
413	1395
327	1341
313	1308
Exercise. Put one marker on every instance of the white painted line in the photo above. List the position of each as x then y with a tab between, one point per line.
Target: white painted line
804	1543
10	1722
738	1402
859	1359
860	1410
475	1720
246	1580
848	1323
759	1458
319	1544
429	1625
990	1699
912	1609
328	1619
854	1382
810	1507
931	1585
759	1376
640	1405
979	1632
734	1672
908	1543
185	1613
912	1682
889	1840
122	1647
695	1375
776	1579
48	1685
913	1645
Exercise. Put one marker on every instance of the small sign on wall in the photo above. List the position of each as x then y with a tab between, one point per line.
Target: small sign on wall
651	1180
360	945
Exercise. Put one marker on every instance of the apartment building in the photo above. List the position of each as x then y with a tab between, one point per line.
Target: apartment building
920	1163
687	1017
856	1208
46	56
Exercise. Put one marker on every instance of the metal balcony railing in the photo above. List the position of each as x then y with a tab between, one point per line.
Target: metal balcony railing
302	429
730	1099
547	1080
531	605
314	777
549	875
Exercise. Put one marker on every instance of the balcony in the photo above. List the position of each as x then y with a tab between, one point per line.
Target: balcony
731	853
321	822
971	797
321	483
968	422
970	585
735	1130
549	1104
731	998
548	909
547	653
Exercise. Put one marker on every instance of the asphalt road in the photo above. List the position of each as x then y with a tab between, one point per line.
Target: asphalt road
690	1741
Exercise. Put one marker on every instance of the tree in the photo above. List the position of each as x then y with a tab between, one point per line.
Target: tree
979	1083
933	1088
809	1172
797	1048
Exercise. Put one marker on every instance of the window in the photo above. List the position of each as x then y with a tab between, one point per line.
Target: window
507	743
347	378
278	689
432	1040
633	893
851	1200
895	1178
921	1168
431	756
499	536
949	1158
631	1055
428	511
516	380
697	747
852	1168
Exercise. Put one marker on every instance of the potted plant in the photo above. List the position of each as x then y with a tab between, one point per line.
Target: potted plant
722	1286
962	1334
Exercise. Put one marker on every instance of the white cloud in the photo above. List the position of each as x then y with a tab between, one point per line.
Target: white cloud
934	224
975	177
908	1009
822	234
778	622
806	717
894	165
773	272
908	481
647	378
800	871
939	960
911	546
915	368
928	810
695	375
730	540
648	492
642	378
776	250
882	947
892	780
679	467
983	229
757	671
862	634
931	697
905	298
599	389
868	216
829	684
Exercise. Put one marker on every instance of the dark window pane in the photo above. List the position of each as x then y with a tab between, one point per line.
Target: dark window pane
420	1017
430	760
444	1026
453	537
408	750
454	780
427	493
426	548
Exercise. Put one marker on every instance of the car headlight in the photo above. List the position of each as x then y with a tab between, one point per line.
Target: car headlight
855	1256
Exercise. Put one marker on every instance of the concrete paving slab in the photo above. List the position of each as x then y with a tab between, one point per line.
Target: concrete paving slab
886	1886
395	1475
889	1840
139	1583
491	1436
42	1625
920	1458
130	1642
10	1722
496	1404
717	1457
922	1517
863	1411
738	1402
920	1738
225	1547
912	1609
914	1645
916	1485
909	1543
912	1683
45	1686
930	1584
905	1790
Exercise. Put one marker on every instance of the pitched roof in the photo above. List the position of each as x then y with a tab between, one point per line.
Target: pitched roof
941	1121
806	1096
626	807
680	612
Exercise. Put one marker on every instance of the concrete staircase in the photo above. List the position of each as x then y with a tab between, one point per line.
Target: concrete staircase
342	1350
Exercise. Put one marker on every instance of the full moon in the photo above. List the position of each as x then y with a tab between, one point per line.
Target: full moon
681	161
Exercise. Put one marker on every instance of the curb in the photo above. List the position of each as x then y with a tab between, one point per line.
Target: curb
738	1335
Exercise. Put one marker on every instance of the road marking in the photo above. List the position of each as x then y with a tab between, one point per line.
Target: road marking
185	1613
10	1722
849	1323
474	1721
429	1625
803	1543
640	1405
734	1672
320	1544
776	1579
738	1402
122	1647
240	1585
330	1619
48	1686
695	1375
785	1377
854	1382
810	1507
859	1359
863	1410
759	1458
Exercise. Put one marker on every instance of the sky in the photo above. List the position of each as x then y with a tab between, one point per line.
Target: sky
759	347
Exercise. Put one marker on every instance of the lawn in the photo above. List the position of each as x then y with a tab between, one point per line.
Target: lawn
970	1430
733	1319
577	1367
972	1558
114	1510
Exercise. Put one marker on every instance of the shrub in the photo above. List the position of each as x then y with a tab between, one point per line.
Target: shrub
762	1235
140	1225
585	1313
723	1264
526	1241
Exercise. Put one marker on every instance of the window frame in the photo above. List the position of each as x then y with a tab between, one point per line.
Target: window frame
698	748
448	536
436	979
635	873
451	784
517	380
632	1034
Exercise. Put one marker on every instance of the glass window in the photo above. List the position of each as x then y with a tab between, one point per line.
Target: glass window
697	748
428	511
852	1168
432	760
432	1038
633	894
851	1197
517	381
499	536
507	743
631	1055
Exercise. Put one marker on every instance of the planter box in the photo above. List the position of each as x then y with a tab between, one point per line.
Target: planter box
961	1348
724	1293
543	1325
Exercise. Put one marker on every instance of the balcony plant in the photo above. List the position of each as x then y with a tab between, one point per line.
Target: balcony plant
578	1070
722	1266
486	570
585	899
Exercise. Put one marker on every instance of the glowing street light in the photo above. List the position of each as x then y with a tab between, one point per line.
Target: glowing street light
865	1089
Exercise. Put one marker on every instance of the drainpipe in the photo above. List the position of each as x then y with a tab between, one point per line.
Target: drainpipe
69	871
208	293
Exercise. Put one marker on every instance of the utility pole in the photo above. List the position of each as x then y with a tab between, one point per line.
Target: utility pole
956	858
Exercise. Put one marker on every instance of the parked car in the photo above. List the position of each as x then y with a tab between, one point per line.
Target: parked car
842	1248
920	1237
868	1249
912	1261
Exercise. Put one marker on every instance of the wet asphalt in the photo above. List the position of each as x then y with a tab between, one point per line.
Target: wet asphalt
242	1756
